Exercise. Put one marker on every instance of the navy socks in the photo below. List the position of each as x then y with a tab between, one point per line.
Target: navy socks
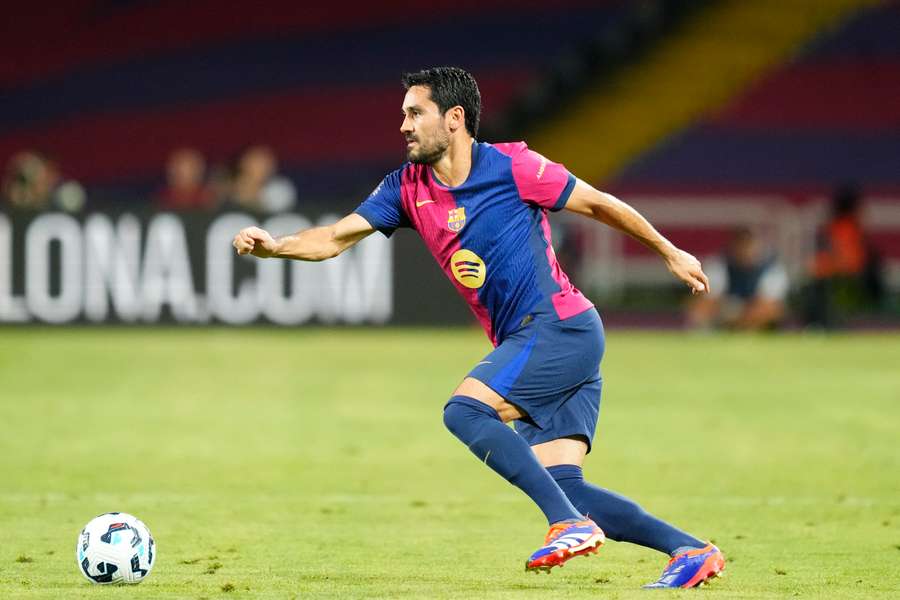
620	518
560	491
479	427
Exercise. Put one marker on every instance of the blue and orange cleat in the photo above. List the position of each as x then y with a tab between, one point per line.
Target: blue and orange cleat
692	568
564	541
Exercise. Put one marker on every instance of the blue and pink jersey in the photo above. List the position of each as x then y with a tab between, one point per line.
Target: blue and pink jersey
490	235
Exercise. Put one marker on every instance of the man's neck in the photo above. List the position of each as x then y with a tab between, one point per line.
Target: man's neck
453	168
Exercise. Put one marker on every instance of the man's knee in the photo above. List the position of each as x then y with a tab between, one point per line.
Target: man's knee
455	415
461	411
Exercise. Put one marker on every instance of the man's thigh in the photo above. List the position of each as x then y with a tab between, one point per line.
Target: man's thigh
473	388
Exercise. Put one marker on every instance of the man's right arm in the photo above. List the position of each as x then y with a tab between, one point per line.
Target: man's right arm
318	243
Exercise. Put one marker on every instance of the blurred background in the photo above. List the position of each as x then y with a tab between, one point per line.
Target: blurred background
137	137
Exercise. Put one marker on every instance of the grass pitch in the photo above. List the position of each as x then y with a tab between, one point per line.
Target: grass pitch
314	464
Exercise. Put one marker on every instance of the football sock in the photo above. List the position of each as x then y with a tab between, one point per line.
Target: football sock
682	550
479	427
620	518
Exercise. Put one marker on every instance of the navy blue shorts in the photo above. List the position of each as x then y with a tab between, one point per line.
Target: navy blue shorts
551	370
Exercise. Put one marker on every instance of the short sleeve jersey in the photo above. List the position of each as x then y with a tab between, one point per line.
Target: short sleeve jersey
490	235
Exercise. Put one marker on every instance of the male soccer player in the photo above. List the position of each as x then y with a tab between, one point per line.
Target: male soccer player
481	210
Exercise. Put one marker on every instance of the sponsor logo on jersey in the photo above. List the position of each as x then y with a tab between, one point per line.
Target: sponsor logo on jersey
468	268
456	218
423	202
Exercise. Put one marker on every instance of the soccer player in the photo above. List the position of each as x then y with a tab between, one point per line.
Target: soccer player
481	210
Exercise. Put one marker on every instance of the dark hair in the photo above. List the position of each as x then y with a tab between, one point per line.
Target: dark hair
450	86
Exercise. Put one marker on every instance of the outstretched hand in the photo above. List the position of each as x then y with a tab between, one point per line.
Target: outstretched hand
255	241
687	268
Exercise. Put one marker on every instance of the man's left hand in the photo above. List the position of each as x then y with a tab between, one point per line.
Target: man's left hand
687	268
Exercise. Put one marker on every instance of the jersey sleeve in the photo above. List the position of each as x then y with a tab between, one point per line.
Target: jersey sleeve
383	209
541	181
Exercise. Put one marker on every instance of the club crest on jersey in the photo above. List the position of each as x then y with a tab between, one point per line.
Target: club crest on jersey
456	218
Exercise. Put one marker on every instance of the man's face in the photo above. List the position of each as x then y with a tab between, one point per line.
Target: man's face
186	168
424	127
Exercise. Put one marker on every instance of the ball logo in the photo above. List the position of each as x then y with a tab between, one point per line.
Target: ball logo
468	268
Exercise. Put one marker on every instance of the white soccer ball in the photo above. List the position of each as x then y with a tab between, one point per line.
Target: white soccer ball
115	548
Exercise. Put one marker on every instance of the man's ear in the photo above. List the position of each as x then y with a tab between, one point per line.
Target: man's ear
456	118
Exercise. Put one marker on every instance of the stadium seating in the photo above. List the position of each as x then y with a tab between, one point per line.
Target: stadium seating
828	114
784	100
133	80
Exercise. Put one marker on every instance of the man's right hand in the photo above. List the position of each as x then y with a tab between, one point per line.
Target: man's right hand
255	241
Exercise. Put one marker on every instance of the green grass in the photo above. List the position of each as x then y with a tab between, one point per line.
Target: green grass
314	464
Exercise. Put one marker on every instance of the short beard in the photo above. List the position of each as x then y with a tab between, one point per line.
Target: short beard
429	156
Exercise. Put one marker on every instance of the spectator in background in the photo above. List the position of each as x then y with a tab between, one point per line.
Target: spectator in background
256	186
845	270
749	287
186	187
31	181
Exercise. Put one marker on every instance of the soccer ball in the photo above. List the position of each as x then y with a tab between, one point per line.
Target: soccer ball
115	548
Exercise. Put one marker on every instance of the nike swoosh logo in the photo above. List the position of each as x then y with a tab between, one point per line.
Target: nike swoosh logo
422	202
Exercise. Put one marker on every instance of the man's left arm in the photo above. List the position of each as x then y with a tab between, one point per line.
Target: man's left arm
606	208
